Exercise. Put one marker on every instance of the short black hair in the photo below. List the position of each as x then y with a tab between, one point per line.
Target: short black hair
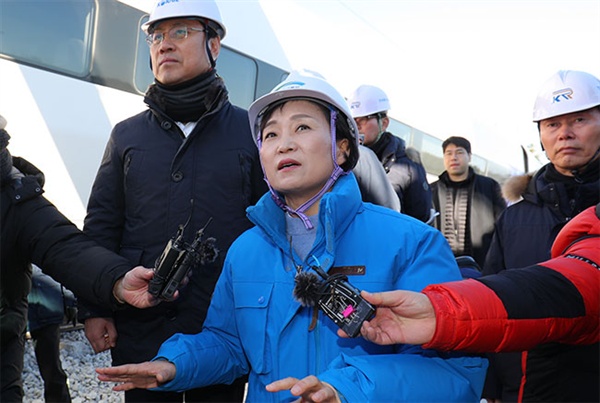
457	141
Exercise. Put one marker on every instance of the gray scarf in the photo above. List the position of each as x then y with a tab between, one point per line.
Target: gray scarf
455	218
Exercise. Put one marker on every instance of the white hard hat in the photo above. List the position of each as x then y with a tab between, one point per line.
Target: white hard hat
202	9
567	91
368	100
301	84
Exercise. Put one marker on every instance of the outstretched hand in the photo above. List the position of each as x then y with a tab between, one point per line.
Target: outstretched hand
141	376
309	389
402	317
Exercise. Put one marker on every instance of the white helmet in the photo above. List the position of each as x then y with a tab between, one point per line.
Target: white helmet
206	10
368	100
312	86
301	84
567	91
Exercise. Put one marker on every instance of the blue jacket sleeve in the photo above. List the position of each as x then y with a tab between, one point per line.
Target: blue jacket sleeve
217	347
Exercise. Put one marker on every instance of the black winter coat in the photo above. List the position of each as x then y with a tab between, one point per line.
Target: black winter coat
407	177
525	231
34	231
485	205
523	236
151	180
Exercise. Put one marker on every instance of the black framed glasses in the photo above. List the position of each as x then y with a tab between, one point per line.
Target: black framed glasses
364	119
177	33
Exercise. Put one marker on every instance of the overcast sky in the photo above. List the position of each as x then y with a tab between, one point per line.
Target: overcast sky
470	68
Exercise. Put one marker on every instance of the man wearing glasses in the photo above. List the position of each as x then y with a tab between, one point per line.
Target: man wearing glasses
468	203
369	106
187	160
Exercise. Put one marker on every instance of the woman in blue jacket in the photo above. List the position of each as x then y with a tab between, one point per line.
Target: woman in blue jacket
259	321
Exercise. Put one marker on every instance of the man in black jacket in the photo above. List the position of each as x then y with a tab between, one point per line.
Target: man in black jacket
468	206
567	112
34	231
468	203
188	160
369	106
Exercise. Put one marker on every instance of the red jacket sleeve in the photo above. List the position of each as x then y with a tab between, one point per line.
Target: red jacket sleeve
515	310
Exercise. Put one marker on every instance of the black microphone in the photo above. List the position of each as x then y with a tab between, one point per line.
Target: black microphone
335	296
307	290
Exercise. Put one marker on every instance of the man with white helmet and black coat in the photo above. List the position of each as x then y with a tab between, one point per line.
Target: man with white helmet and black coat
189	159
369	106
567	112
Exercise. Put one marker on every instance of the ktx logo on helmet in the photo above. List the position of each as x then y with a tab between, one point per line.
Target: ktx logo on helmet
163	2
562	95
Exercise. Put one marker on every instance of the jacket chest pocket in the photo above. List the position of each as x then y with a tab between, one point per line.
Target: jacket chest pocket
251	310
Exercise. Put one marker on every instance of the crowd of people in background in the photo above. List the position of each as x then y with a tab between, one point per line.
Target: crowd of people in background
308	183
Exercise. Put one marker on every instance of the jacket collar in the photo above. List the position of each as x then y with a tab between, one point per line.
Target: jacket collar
337	209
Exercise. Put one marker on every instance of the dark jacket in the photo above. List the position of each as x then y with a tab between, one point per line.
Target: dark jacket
485	203
523	236
407	177
34	231
49	302
151	180
525	231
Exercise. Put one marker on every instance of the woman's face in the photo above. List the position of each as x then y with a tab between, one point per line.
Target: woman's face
296	150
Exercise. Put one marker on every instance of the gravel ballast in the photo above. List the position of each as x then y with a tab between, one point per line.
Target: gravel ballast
79	362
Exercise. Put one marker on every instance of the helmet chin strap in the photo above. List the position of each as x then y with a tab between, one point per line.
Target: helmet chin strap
381	131
208	52
337	172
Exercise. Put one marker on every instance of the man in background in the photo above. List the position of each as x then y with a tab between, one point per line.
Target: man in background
369	106
567	113
468	203
48	305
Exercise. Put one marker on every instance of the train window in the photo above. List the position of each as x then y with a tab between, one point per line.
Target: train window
401	130
431	151
51	34
240	75
498	171
479	164
143	72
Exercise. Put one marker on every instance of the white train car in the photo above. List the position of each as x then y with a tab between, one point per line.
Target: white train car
71	69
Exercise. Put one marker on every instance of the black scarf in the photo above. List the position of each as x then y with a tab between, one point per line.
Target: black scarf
188	101
580	191
571	183
5	157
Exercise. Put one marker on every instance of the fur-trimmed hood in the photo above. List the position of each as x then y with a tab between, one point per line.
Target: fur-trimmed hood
514	187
